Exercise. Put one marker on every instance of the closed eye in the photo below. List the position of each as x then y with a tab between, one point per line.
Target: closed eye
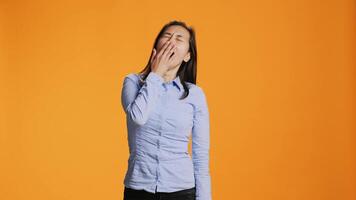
177	38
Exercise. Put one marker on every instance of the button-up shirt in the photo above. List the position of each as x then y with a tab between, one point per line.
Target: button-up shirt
159	127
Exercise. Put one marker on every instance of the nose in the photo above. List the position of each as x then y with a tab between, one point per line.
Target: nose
171	39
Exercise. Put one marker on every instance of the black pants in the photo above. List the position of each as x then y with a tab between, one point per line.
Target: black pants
132	194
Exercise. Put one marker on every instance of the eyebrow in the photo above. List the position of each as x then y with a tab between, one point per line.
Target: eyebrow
166	33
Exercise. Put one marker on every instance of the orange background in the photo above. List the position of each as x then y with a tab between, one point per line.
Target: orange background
279	77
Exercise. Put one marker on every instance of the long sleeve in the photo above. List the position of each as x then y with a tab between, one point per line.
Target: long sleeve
138	102
200	148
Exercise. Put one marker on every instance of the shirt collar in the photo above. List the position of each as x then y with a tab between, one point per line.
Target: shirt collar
178	83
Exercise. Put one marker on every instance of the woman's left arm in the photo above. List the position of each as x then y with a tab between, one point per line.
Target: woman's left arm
200	147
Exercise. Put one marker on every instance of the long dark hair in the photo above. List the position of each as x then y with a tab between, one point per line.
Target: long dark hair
187	71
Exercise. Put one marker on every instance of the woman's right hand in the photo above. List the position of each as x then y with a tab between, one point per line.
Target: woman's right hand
160	62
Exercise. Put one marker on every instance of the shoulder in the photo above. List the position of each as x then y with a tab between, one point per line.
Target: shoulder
197	92
198	98
195	89
132	77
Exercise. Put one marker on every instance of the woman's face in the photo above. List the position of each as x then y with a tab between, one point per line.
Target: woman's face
179	36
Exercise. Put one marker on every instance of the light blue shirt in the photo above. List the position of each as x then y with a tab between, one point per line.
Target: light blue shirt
159	127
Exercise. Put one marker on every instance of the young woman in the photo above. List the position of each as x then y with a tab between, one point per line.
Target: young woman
164	107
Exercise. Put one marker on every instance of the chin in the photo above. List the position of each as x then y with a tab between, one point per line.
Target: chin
177	63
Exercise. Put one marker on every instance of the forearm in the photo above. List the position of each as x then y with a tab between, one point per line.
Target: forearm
139	107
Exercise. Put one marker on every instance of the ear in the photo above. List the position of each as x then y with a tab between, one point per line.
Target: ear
187	57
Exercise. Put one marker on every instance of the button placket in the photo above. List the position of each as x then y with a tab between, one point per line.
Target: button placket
165	87
161	119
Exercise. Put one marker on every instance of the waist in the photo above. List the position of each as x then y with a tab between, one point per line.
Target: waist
161	156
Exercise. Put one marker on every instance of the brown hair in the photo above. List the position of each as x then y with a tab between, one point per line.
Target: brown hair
187	71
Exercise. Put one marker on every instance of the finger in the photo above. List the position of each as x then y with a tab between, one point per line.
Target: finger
163	48
153	55
174	55
168	51
172	52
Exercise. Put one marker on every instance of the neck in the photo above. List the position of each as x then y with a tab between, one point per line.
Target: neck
171	74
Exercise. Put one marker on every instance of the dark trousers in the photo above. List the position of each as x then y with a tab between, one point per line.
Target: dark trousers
132	194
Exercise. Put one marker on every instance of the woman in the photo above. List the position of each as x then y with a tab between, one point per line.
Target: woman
164	107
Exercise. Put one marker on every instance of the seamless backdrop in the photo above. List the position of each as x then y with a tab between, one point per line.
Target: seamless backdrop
279	78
